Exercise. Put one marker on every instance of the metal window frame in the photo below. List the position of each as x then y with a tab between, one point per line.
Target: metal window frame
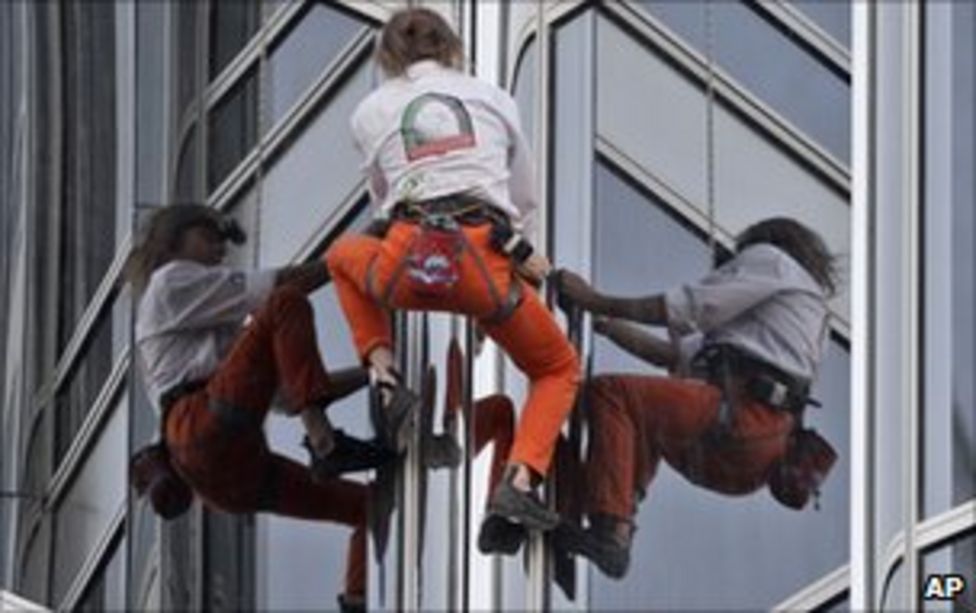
652	31
810	32
99	556
912	366
863	569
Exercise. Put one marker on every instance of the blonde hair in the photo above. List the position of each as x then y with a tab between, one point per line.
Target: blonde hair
417	34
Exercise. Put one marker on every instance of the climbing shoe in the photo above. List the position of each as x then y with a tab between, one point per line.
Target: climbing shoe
521	507
498	535
392	407
598	543
349	454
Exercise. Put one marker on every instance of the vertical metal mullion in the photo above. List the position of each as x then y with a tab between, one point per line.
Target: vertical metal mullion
863	591
913	185
412	346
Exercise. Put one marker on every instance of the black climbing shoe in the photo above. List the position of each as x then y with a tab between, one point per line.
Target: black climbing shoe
521	507
598	545
349	454
498	535
392	419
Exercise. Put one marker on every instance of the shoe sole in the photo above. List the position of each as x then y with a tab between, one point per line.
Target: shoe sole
511	505
574	540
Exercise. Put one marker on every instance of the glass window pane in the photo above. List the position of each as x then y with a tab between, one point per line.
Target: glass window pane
891	264
958	559
150	78
188	177
768	63
316	551
523	90
93	499
834	16
74	400
89	167
315	175
305	52
231	25
232	129
893	590
640	249
654	115
187	53
106	591
950	293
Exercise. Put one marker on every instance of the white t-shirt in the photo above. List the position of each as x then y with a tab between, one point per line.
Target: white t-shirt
188	317
435	131
761	301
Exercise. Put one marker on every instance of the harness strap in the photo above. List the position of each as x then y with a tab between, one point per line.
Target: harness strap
504	308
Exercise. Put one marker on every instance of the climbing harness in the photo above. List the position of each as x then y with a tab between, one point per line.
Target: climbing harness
432	262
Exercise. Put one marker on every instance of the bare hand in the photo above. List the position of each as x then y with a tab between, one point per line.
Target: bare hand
572	286
535	268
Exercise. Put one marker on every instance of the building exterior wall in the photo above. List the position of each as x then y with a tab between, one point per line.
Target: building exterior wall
660	130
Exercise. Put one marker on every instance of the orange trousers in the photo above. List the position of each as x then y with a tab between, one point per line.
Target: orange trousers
637	420
530	335
230	466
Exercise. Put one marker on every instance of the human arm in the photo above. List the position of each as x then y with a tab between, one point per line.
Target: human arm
306	277
641	344
647	310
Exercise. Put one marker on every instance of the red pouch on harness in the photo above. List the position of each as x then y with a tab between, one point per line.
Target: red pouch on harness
434	257
799	474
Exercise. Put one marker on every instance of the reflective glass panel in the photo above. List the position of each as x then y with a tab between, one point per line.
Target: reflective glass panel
834	16
316	551
305	52
769	64
893	590
524	91
89	165
889	279
686	533
956	559
93	499
318	172
106	591
949	411
232	129
231	26
107	340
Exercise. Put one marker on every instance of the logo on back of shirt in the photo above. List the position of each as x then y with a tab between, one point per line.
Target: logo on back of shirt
434	124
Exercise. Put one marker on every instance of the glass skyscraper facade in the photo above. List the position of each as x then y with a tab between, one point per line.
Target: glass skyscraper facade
661	129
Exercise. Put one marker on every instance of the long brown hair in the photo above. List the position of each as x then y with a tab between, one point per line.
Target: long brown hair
416	34
161	239
801	243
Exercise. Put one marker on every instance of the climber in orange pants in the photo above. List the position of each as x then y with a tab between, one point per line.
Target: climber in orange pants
449	172
212	378
731	421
